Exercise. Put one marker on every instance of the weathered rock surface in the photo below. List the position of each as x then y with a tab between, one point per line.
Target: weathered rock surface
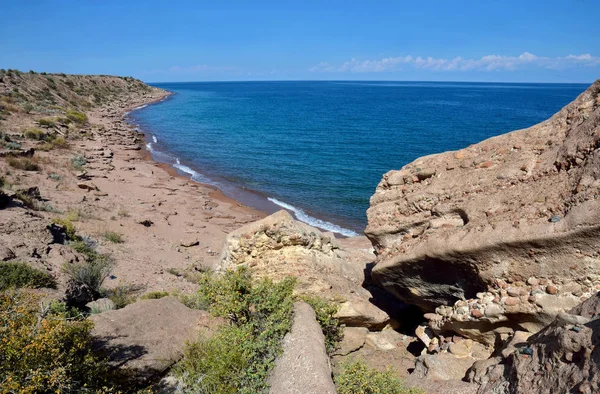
148	336
500	236
562	358
304	366
279	246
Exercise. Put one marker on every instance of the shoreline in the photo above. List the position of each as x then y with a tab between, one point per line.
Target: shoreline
261	203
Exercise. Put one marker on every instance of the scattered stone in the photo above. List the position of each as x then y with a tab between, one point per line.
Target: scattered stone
353	339
6	253
551	289
146	222
189	242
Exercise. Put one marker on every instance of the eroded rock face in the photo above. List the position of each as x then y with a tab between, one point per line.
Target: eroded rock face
504	233
562	358
279	246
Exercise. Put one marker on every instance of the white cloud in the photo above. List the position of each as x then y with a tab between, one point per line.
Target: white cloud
485	63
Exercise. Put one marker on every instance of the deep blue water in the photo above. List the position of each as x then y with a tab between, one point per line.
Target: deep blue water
322	147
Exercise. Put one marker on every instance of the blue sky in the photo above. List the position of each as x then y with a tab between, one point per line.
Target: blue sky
180	40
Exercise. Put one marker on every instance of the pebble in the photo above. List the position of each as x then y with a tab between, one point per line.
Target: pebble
476	313
513	292
532	281
511	301
551	289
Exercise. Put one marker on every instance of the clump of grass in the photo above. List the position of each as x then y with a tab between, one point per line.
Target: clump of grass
239	358
121	295
76	116
36	134
358	378
113	237
28	201
91	272
78	162
155	295
174	271
46	122
23	163
16	275
55	143
325	312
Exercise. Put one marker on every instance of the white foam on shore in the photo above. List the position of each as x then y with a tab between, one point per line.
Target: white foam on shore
140	107
194	175
322	224
149	146
154	139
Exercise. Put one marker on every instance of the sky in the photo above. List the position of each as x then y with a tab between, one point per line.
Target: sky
181	40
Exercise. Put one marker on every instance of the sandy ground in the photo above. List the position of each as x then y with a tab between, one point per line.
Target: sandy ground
132	188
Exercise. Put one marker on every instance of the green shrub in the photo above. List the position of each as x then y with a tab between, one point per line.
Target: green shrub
155	295
77	117
28	201
91	272
23	163
16	275
330	325
239	358
69	227
113	237
44	351
78	162
36	134
358	378
122	295
47	122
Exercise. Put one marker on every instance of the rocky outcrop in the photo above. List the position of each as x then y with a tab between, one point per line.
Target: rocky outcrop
562	358
279	246
148	336
303	368
500	236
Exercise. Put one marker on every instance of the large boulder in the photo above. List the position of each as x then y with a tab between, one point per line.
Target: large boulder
148	336
279	246
501	235
562	358
303	368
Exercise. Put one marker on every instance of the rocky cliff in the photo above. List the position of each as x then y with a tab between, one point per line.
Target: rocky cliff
498	236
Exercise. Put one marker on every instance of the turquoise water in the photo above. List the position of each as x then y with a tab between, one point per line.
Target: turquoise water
320	148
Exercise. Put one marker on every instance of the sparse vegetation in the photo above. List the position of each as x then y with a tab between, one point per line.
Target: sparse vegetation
47	122
17	275
240	356
77	117
78	162
155	295
93	271
358	378
121	295
69	227
36	134
113	237
23	163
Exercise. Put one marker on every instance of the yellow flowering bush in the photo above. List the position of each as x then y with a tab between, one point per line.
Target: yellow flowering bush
44	351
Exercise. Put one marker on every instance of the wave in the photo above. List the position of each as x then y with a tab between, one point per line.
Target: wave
140	107
149	147
322	224
154	139
194	175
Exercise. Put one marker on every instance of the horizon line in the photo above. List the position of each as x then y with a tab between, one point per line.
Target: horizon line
370	80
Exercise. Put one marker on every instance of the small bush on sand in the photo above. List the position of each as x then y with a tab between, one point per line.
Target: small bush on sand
91	272
45	122
55	143
330	325
36	134
239	358
69	227
358	378
42	350
78	162
77	117
16	275
121	295
23	163
113	237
